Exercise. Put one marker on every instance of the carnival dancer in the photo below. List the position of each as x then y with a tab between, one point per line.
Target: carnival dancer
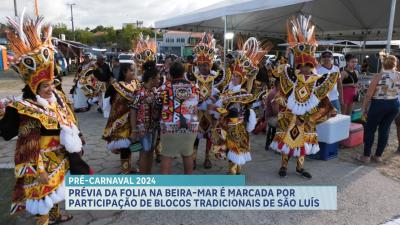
118	129
45	124
303	100
82	90
236	118
205	79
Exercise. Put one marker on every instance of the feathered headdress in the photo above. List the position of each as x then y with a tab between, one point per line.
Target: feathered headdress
30	40
205	50
250	54
301	39
145	49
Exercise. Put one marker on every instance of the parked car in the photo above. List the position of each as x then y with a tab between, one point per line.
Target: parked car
126	58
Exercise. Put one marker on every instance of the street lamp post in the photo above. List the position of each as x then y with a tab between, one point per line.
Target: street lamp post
390	28
15	8
72	20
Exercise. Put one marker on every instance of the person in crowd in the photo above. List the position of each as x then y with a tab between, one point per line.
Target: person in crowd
397	119
380	107
169	59
364	67
349	79
81	94
206	79
303	98
179	120
115	67
189	68
262	78
103	74
144	116
271	113
233	107
258	85
327	67
118	129
44	124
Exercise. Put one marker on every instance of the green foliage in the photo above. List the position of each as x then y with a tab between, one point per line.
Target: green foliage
104	37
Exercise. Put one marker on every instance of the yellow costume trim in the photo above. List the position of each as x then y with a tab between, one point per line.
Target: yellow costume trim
126	90
117	124
27	107
327	85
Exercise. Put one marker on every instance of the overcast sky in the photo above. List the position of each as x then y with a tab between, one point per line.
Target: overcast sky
90	13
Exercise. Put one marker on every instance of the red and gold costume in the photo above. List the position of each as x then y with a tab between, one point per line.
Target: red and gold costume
302	99
204	54
118	127
46	128
234	108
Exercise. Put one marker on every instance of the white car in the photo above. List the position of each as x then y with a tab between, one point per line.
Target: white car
126	58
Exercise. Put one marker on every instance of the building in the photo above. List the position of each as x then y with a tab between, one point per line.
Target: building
179	43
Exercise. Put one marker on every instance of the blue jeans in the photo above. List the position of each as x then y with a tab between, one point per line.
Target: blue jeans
381	114
336	104
147	141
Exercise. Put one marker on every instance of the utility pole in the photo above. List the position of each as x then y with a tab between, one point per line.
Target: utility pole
15	8
72	19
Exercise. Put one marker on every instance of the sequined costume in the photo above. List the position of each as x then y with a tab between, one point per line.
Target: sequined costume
46	128
118	128
302	98
84	87
208	88
236	119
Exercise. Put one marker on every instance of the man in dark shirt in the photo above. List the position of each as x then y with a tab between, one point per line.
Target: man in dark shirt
103	73
115	67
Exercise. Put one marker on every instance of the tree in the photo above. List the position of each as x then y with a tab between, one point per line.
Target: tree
61	28
103	37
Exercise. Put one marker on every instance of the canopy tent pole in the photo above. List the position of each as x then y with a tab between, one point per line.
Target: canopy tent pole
390	28
225	44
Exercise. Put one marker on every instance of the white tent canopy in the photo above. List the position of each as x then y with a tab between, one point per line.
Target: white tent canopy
342	19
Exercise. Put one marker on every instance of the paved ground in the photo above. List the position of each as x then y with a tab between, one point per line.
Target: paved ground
365	196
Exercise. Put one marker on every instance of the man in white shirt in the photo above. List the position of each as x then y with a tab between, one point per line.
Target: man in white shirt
326	66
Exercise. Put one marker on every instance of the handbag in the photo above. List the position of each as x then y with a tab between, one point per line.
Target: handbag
356	97
136	147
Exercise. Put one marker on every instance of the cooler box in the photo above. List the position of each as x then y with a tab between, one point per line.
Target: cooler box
334	130
356	115
356	136
326	151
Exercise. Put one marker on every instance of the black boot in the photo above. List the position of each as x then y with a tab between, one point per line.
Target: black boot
283	172
303	173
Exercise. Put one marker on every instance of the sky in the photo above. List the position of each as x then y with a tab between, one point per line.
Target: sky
90	13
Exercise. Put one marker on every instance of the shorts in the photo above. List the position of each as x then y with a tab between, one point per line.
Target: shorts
177	144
